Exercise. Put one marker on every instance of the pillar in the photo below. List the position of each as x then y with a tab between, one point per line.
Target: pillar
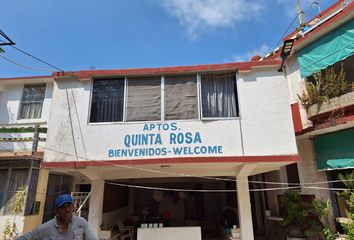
31	221
96	205
244	208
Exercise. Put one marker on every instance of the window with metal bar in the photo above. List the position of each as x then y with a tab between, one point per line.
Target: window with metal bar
107	100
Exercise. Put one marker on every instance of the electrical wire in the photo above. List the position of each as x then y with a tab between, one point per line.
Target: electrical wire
193	176
182	174
198	190
304	185
292	22
38	59
24	66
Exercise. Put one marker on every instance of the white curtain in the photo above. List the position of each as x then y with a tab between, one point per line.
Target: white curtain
32	101
219	96
18	178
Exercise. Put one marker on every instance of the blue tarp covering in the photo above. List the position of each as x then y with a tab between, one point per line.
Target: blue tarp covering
333	47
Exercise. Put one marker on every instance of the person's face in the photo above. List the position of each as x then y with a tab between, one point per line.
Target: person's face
65	211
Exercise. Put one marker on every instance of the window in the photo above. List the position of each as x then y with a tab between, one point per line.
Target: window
144	99
57	184
107	100
181	97
32	101
9	186
140	98
219	96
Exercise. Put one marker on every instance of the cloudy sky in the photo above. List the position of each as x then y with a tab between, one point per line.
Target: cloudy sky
109	34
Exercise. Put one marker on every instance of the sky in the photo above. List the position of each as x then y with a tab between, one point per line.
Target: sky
116	34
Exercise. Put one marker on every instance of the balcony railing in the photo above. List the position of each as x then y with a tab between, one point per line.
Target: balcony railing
22	133
333	108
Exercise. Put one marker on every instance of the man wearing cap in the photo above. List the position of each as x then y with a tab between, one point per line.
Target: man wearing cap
64	226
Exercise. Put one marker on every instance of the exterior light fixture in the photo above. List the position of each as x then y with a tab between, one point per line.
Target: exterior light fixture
285	51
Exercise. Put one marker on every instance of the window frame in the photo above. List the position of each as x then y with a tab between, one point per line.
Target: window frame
201	100
91	98
21	101
198	118
163	98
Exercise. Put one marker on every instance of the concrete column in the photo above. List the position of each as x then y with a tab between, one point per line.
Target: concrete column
244	208
31	221
96	205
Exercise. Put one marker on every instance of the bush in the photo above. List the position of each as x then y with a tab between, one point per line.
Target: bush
327	84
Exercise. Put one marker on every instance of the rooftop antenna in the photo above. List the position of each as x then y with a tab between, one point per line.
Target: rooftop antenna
300	13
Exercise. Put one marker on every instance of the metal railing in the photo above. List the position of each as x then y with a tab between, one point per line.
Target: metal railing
18	132
81	203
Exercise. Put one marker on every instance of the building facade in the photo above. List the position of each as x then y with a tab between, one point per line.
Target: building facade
324	128
24	113
128	135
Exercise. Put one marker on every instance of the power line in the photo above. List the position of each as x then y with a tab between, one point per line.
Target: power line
181	174
304	185
292	22
188	175
198	190
24	66
38	59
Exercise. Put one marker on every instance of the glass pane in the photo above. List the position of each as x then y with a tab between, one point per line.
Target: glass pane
18	178
181	97
219	95
107	100
32	101
37	93
144	99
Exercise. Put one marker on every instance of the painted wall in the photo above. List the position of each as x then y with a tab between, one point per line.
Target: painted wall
264	128
10	100
266	119
31	221
296	86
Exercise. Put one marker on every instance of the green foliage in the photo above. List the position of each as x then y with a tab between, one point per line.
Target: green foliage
349	227
321	225
20	199
296	213
328	84
10	229
348	180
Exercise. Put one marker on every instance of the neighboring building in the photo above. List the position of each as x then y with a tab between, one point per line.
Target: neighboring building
176	128
324	132
24	111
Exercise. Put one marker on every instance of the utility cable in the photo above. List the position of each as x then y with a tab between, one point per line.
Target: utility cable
38	59
292	22
24	66
188	175
304	185
197	190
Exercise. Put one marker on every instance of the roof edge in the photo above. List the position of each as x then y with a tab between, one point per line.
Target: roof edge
241	66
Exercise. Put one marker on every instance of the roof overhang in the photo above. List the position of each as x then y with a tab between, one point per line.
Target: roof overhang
225	67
